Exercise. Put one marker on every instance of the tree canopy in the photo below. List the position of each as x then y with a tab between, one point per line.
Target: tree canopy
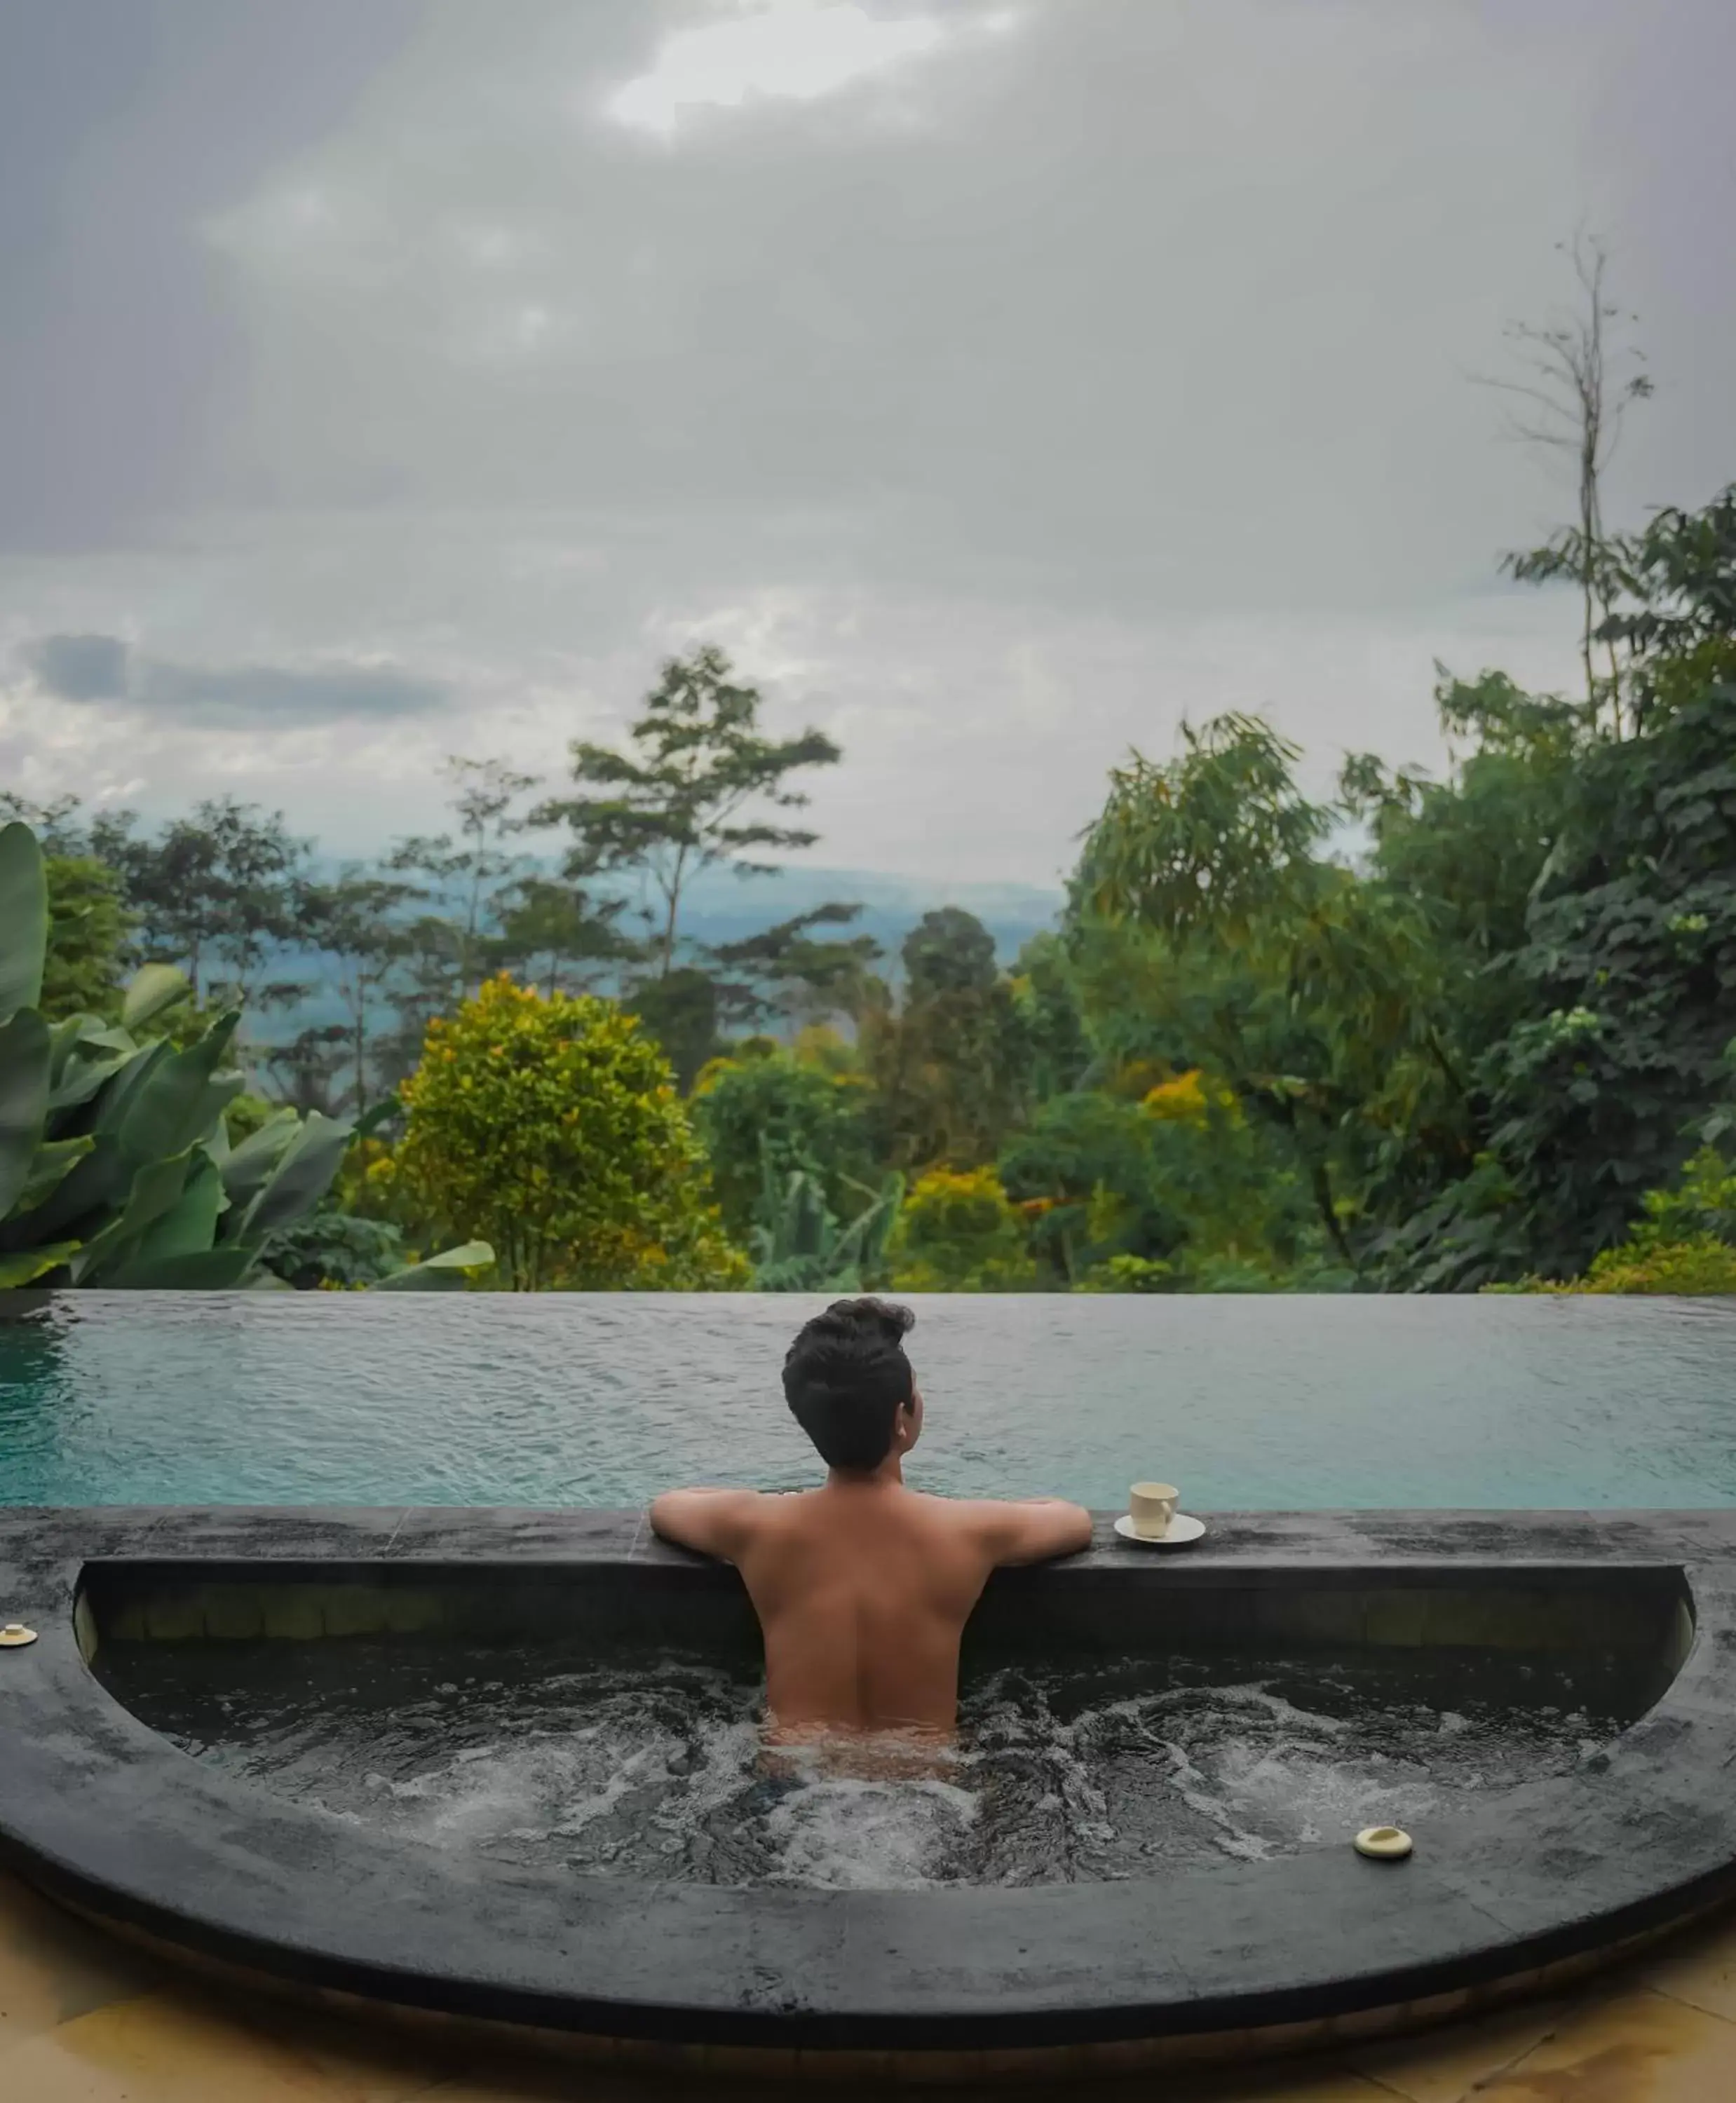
1435	1031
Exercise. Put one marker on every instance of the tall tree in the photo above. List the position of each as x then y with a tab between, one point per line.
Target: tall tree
556	932
1060	1050
360	920
948	1064
57	825
90	930
1576	379
677	802
467	867
1212	840
220	892
681	1011
787	972
1616	983
308	1070
948	951
1318	997
1677	611
423	954
1469	849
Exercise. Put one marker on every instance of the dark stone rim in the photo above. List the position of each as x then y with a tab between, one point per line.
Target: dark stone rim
99	1809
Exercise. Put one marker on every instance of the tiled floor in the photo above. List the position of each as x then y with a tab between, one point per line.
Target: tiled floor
85	2020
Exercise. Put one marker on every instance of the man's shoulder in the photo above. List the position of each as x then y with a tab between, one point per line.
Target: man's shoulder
957	1514
773	1508
1016	1529
956	1507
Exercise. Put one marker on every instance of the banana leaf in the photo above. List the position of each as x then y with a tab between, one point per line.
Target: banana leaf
156	1188
182	1098
24	920
201	1270
65	1036
133	1075
84	1079
375	1115
189	1226
49	1168
246	1167
83	1060
445	1272
98	1182
299	1180
29	1264
154	988
24	1100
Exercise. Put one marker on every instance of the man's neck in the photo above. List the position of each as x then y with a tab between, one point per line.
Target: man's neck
888	1475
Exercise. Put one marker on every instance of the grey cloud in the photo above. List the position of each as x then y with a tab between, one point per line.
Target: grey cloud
1138	305
95	668
268	693
78	667
123	124
1131	346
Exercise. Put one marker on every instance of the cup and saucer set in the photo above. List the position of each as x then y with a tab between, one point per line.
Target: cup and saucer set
1152	1521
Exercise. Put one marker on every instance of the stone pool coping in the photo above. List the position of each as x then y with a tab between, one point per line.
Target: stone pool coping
100	1812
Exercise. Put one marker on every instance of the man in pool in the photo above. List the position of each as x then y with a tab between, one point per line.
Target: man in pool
862	1586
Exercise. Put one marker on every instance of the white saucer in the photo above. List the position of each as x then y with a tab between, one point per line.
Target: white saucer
1182	1531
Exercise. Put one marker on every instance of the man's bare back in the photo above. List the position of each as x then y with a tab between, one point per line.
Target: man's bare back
863	1586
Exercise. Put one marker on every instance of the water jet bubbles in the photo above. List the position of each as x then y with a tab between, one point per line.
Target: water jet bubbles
651	1770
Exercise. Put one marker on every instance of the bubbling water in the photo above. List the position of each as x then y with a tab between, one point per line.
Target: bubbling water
657	1772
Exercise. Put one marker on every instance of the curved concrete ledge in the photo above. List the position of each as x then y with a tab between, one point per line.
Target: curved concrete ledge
1512	1895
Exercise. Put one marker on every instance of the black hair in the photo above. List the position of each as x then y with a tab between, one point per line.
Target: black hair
845	1377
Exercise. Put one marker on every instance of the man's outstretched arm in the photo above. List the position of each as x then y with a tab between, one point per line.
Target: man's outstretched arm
1032	1530
715	1522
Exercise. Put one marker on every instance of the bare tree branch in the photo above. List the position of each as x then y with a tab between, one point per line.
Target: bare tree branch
1585	380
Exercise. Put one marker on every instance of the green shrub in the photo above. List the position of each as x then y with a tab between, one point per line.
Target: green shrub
334	1249
1685	1243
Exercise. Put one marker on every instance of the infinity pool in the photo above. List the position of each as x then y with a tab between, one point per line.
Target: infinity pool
1248	1403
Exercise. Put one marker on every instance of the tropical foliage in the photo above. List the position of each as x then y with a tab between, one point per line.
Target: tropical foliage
118	1165
799	1246
1422	1033
1685	1242
767	1111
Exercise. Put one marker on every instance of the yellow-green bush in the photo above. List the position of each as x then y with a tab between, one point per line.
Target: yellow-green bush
548	1125
959	1232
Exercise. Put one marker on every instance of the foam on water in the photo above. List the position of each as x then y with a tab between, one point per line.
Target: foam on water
658	1773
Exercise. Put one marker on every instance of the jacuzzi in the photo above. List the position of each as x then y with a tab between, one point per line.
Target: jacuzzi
1174	1955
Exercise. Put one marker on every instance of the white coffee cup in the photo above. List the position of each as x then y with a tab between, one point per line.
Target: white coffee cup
1150	1506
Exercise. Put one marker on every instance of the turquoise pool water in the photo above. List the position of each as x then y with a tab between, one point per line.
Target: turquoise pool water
1249	1403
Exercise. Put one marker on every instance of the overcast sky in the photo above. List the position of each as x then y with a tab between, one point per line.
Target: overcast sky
999	382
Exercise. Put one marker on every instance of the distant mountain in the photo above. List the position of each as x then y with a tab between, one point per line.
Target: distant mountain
719	907
722	908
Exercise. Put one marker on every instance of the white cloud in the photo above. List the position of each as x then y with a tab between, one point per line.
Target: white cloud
798	50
